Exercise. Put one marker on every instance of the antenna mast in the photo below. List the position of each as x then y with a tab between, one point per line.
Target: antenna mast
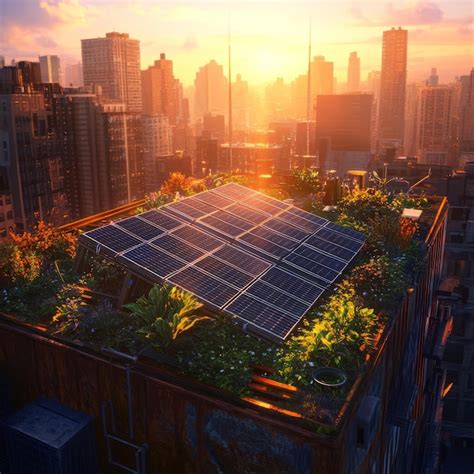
230	100
308	91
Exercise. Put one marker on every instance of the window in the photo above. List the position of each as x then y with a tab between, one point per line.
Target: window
454	353
458	213
451	377
459	326
2	217
450	409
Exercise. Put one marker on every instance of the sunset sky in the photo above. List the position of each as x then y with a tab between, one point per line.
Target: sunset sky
269	38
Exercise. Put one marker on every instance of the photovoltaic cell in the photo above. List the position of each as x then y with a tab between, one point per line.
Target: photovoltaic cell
321	258
346	231
224	216
262	206
312	267
161	219
287	229
204	286
329	247
339	239
292	284
246	213
111	237
277	298
234	191
272	321
275	237
308	216
140	228
152	260
264	245
221	226
202	206
293	219
177	248
182	208
214	199
224	271
274	202
198	238
244	261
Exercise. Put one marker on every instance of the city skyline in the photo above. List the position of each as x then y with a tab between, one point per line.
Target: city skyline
192	33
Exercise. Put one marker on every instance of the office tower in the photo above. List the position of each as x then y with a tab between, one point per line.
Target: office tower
322	77
157	143
161	92
113	63
466	112
299	94
206	155
6	208
411	114
73	75
102	150
373	87
210	91
11	80
433	79
214	126
240	104
392	88
458	361
301	144
344	123
353	73
433	131
50	69
2	61
31	72
32	158
277	98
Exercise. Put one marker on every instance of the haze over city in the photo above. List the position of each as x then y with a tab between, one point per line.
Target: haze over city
269	38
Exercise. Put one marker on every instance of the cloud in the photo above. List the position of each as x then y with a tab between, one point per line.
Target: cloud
422	13
68	12
190	43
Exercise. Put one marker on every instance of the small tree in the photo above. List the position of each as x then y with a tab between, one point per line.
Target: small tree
164	315
306	181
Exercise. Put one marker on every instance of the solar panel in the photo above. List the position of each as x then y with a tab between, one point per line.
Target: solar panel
287	229
204	286
234	191
292	218
214	199
262	206
177	248
233	220
292	284
321	258
244	261
199	239
346	231
271	321
140	228
277	298
224	271
161	219
264	261
152	260
264	245
109	238
183	209
312	267
246	213
339	239
329	247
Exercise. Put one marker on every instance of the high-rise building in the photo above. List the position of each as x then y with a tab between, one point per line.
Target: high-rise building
2	61
6	208
322	77
277	99
433	79
433	131
411	114
214	126
240	104
157	143
210	91
31	72
161	92
32	158
73	75
392	88
344	123
466	124
50	69
113	63
102	152
353	73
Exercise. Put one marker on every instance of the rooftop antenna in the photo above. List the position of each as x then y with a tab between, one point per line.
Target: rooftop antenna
230	97
308	91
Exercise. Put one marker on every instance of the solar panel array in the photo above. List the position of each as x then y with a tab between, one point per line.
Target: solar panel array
263	261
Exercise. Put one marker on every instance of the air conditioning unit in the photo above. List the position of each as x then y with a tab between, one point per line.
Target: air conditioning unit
367	421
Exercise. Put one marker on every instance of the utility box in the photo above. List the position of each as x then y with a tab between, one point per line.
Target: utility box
46	437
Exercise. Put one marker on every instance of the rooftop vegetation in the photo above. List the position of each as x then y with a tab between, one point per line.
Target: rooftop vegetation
40	286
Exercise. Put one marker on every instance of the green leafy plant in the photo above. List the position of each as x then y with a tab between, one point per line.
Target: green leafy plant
305	181
164	315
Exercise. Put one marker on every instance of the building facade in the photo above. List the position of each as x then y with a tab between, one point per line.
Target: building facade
50	67
353	73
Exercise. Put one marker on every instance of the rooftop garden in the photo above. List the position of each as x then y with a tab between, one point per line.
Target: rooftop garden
39	286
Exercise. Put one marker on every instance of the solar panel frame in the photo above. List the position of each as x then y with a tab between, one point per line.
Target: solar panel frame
321	258
253	202
353	234
183	209
175	247
257	243
107	239
140	227
286	229
214	199
293	219
242	260
250	215
161	219
196	237
233	220
311	267
234	191
339	239
330	248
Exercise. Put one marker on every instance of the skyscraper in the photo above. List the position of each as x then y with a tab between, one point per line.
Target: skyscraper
73	75
433	131
353	73
392	87
50	69
322	76
210	90
466	126
160	90
113	63
433	79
